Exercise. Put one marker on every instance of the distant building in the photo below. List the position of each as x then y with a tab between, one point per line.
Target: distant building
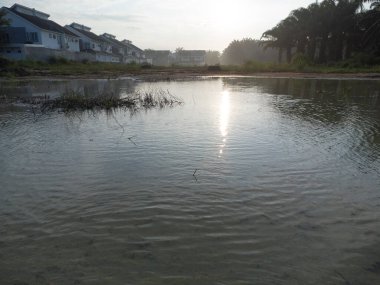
116	47
159	57
30	29
190	57
134	54
93	44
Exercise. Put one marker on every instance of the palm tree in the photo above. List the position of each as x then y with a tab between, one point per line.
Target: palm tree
370	24
283	37
302	25
376	5
272	40
344	29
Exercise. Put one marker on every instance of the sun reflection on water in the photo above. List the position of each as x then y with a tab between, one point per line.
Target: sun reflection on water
224	116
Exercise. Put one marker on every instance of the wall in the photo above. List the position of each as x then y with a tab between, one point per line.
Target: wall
73	43
12	51
107	58
50	42
40	53
43	54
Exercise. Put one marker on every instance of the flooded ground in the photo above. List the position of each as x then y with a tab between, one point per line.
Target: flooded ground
250	181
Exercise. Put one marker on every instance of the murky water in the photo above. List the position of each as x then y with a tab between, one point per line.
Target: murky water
286	188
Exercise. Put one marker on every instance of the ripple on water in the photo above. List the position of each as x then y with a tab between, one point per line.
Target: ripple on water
285	189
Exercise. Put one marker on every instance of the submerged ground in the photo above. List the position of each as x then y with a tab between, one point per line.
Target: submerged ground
250	181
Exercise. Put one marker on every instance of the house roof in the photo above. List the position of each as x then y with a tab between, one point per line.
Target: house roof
43	23
88	34
131	46
112	41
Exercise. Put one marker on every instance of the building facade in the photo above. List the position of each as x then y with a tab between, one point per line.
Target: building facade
31	28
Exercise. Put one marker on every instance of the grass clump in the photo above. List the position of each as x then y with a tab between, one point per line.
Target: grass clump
77	101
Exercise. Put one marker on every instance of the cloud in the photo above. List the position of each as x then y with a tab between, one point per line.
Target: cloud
125	18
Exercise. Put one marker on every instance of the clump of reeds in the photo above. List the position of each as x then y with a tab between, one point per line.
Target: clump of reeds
77	101
155	98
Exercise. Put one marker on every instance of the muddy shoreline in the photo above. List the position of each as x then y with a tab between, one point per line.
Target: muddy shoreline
167	75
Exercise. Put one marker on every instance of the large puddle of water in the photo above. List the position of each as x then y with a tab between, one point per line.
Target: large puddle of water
250	181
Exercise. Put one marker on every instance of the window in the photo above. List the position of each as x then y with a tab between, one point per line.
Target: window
50	35
93	46
4	38
54	37
32	37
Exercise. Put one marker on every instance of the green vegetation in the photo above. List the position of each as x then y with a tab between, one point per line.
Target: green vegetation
61	66
360	63
300	65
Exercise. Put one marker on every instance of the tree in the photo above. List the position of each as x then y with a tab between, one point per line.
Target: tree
3	20
179	49
241	51
212	57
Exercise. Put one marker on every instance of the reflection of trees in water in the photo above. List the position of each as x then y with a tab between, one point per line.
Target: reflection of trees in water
325	101
346	112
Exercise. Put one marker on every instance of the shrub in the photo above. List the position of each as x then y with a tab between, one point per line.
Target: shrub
57	60
214	68
4	62
300	61
146	65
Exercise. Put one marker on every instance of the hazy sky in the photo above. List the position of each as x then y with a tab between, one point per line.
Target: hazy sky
192	24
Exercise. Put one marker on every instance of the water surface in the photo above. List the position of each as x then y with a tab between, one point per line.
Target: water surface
286	187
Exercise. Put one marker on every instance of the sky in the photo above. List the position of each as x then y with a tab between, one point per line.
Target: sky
191	24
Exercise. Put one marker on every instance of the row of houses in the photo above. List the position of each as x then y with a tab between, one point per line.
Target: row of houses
32	35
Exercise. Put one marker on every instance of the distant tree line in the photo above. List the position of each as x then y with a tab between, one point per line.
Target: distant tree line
241	51
329	31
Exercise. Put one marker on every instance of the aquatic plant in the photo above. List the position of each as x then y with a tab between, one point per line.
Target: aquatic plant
73	100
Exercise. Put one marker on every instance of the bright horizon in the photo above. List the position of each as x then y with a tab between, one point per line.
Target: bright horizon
194	24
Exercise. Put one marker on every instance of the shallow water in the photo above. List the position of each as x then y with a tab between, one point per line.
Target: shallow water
286	187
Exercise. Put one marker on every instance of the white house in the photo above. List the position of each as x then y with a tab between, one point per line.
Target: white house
117	48
32	28
91	43
133	53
